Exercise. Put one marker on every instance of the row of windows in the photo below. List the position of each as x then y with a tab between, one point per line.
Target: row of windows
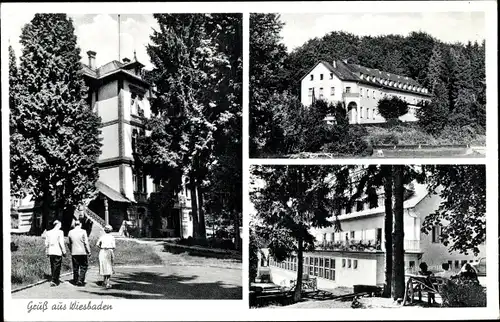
321	95
319	266
393	83
320	76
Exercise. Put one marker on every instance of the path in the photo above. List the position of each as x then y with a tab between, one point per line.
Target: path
181	277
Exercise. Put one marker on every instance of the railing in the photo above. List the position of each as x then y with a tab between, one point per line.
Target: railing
351	245
412	244
95	217
141	196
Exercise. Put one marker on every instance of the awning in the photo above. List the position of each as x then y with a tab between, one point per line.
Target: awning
111	193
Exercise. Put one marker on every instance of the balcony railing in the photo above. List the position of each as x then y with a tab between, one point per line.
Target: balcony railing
350	95
412	245
351	245
141	196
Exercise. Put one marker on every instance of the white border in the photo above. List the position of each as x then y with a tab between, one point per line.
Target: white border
156	310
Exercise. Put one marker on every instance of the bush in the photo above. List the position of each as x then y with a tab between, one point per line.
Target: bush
463	293
392	108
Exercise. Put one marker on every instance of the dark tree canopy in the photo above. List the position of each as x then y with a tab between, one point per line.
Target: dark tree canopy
392	108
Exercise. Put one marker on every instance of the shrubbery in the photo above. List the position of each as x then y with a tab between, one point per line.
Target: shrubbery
212	242
463	293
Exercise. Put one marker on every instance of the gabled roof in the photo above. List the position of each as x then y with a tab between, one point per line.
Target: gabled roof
111	193
357	73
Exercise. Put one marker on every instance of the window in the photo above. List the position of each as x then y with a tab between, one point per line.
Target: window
310	93
462	263
355	264
312	77
321	92
412	264
457	264
361	112
331	75
373	114
343	262
373	94
435	234
352	234
450	264
332	91
349	263
321	76
348	89
333	237
361	92
359	206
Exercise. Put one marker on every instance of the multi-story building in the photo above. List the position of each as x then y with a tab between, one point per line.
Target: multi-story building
360	88
120	96
356	254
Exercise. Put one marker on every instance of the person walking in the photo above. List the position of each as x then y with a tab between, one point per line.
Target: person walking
106	255
80	252
55	250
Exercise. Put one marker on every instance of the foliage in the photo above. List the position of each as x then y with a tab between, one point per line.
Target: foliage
253	249
463	293
462	213
196	127
267	55
392	108
54	133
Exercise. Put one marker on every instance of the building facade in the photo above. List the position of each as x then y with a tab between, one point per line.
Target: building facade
120	96
356	255
360	88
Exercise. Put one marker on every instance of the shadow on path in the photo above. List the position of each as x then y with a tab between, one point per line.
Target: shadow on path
147	285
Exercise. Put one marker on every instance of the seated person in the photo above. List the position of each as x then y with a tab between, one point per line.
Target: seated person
468	273
446	273
424	270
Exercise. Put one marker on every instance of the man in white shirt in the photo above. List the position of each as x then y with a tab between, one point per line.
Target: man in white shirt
80	250
55	249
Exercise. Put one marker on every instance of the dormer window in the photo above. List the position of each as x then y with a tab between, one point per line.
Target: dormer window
331	75
312	77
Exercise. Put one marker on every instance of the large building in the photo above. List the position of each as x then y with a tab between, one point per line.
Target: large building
356	255
360	88
120	96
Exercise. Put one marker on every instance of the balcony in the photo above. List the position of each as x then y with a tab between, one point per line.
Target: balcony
141	197
412	245
350	95
365	245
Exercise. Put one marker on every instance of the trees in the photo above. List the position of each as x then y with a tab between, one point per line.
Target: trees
197	110
392	108
54	141
266	60
291	200
462	213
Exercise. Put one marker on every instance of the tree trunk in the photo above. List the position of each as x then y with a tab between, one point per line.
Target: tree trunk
300	260
194	207
46	203
398	270
202	231
388	228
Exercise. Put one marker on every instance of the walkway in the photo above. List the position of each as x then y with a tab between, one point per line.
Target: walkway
181	277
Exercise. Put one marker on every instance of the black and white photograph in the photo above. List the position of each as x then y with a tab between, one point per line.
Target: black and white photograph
358	85
373	236
124	132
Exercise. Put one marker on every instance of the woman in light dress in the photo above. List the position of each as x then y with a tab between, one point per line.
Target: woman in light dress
106	255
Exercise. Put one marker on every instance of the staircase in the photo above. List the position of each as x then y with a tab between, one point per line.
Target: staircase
99	223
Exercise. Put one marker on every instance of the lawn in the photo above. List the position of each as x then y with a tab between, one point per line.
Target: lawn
30	264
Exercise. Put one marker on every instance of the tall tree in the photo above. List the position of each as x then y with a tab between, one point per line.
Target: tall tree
462	212
388	222
267	54
292	200
398	267
59	130
460	75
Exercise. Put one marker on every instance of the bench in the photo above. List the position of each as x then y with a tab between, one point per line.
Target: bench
417	284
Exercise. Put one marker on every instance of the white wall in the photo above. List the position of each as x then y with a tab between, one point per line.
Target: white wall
128	182
317	83
127	140
109	135
107	109
110	177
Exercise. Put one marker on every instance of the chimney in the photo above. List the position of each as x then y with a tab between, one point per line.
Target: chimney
126	60
334	64
91	55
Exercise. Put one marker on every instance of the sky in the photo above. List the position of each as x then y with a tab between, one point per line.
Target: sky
99	32
448	27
